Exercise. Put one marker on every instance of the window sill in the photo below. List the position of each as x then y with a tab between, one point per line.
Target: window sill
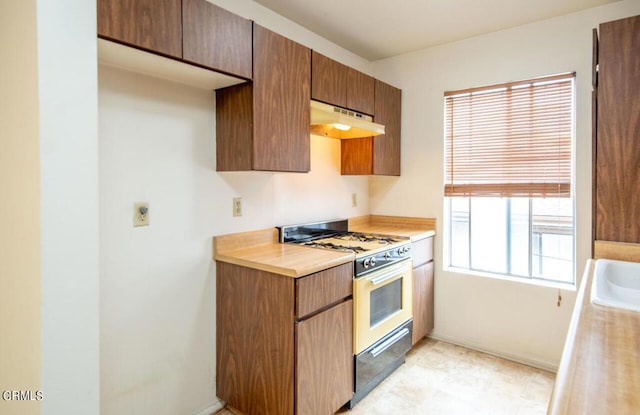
521	280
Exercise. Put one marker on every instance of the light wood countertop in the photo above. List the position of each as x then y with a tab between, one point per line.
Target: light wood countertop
414	228
261	250
600	368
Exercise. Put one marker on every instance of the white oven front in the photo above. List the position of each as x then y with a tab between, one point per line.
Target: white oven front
382	302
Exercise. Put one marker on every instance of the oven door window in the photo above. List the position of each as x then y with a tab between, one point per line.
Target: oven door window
385	302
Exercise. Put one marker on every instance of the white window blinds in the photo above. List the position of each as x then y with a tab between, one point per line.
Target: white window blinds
510	140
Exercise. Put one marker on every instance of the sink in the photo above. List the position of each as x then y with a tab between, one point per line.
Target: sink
616	284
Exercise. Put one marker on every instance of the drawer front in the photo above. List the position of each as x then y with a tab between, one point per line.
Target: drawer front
422	251
323	288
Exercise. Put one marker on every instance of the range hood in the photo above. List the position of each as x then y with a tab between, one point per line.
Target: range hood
335	122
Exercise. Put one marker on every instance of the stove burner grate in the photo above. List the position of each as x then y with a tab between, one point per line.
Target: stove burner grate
362	237
330	245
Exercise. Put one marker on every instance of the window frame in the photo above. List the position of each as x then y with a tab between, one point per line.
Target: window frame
530	278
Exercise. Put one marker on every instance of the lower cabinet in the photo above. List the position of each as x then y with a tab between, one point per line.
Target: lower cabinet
422	301
423	289
284	345
324	368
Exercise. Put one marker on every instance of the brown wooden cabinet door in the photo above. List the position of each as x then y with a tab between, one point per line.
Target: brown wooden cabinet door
340	85
264	125
155	25
618	132
423	295
255	340
386	147
324	372
281	95
328	80
356	156
378	155
360	92
216	38
234	128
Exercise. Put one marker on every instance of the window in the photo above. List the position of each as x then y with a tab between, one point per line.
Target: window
508	159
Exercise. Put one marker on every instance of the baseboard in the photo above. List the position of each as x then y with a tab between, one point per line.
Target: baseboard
212	409
548	366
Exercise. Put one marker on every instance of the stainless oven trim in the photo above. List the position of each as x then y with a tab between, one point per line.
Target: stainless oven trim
378	350
370	370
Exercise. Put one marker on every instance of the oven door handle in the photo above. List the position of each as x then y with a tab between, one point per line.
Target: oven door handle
383	278
376	351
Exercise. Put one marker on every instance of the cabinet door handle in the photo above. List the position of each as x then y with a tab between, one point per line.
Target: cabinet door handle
389	342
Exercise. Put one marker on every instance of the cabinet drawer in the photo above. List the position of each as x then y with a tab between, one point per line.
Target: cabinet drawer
321	289
422	251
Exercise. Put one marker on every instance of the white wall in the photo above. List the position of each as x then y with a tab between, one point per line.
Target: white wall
157	287
157	283
67	66
513	319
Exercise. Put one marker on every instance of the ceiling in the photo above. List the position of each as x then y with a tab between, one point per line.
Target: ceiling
376	29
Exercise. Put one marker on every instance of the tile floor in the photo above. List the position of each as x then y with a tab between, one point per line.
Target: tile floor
443	379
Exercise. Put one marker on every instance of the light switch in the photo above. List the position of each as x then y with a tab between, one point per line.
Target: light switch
237	206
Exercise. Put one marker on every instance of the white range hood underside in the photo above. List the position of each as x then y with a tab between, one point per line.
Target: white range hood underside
335	122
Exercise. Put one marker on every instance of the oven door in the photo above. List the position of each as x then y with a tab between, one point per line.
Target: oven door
382	302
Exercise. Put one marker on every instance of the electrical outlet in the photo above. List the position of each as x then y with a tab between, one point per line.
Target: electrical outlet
141	214
354	200
237	206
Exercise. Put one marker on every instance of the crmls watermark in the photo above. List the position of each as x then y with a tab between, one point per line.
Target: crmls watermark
22	395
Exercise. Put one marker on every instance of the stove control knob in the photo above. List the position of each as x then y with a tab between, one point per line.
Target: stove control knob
406	249
387	255
373	261
399	251
366	262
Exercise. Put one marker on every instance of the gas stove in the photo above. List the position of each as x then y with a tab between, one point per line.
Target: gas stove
382	293
372	251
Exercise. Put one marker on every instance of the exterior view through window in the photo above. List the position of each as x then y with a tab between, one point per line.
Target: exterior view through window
508	170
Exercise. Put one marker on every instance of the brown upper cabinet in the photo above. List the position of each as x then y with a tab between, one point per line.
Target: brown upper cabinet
154	25
340	85
378	155
216	38
264	124
194	31
386	148
617	153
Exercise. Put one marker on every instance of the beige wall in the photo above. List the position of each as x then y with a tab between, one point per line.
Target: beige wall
19	207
